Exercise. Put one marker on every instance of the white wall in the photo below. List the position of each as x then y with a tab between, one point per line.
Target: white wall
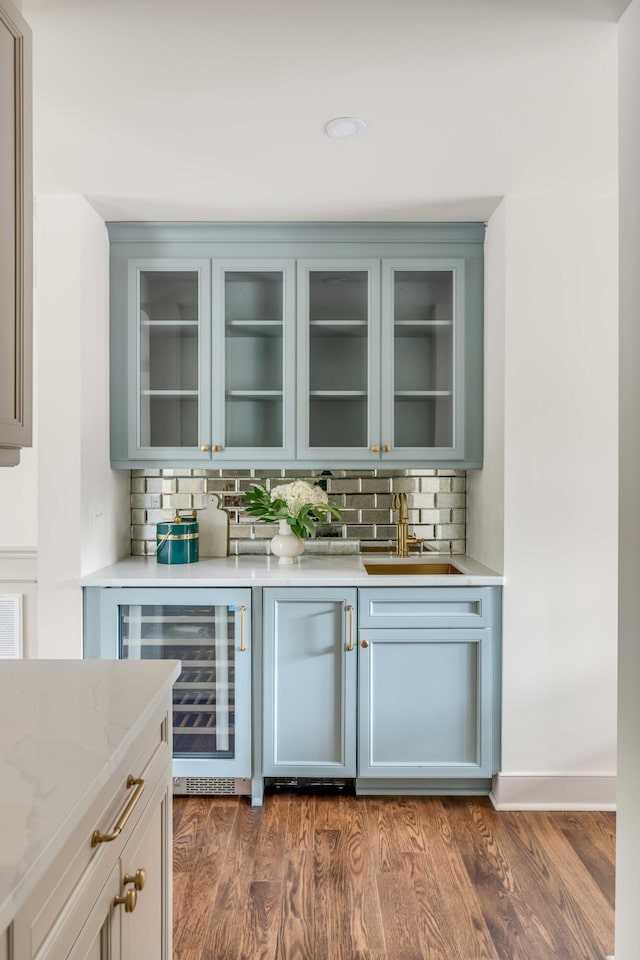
628	845
560	498
72	251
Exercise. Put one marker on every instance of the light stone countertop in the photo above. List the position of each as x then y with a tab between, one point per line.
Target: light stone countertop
309	570
65	725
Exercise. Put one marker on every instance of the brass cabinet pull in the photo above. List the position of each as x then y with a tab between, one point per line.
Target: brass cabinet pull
138	879
364	644
216	448
129	899
350	612
376	448
387	448
204	447
242	613
98	837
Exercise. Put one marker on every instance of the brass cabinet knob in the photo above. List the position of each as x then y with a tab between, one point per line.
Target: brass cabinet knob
216	448
204	447
129	900
386	448
364	644
376	448
138	879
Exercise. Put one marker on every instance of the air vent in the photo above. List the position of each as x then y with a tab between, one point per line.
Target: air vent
10	626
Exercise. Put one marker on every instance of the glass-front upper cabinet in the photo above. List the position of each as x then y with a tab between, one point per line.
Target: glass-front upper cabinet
169	351
423	380
253	404
339	359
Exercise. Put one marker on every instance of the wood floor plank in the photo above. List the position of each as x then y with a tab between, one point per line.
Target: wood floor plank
348	923
592	847
301	822
395	826
402	933
467	933
566	882
261	920
512	925
271	842
224	935
296	939
198	867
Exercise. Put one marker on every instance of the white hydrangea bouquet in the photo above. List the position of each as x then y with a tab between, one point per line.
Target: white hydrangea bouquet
299	503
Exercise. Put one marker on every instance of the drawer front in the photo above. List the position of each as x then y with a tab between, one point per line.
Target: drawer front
79	861
415	607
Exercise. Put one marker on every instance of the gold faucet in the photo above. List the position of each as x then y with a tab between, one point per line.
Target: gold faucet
403	539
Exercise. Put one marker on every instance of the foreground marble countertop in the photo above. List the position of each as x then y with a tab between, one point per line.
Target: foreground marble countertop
309	570
65	725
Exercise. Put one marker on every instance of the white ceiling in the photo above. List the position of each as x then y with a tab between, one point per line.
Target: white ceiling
215	109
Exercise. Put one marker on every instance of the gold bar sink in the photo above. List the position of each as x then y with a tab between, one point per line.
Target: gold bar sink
411	568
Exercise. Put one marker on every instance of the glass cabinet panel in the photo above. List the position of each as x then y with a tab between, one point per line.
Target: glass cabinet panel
253	402
422	381
171	347
254	329
205	638
341	310
423	358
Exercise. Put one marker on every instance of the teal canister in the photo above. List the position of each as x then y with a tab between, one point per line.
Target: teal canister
177	540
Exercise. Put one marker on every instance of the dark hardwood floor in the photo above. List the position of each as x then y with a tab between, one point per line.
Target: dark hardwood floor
343	878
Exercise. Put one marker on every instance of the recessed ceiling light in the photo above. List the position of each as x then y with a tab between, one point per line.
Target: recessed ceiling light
344	127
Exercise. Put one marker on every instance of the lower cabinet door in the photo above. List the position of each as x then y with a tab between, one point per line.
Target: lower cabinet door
145	870
424	703
99	938
309	682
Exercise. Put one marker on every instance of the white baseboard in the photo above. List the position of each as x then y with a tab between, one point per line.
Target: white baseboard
552	791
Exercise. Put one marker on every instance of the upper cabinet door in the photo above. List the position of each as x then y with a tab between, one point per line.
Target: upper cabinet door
16	284
169	359
253	361
339	360
423	375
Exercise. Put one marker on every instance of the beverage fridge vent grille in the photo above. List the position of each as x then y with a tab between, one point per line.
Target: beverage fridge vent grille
211	786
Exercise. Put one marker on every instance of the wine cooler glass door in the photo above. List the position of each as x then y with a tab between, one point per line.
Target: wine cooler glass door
210	717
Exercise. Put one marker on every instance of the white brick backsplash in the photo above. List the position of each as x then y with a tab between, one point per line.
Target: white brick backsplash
436	500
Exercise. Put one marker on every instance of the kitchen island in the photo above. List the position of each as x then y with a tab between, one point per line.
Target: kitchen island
84	755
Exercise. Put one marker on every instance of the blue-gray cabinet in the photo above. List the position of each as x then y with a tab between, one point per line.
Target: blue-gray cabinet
323	345
428	683
202	363
209	630
309	688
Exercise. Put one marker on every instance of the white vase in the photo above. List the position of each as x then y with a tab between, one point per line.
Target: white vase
285	544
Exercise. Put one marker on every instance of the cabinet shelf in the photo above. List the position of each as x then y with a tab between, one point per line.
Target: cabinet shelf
337	394
255	394
422	328
254	328
417	394
190	327
338	328
169	393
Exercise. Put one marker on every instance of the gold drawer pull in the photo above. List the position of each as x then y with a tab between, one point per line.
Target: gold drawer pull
129	900
138	879
98	837
364	644
350	612
242	610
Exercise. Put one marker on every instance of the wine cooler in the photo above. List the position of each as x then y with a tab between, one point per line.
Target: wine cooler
209	631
